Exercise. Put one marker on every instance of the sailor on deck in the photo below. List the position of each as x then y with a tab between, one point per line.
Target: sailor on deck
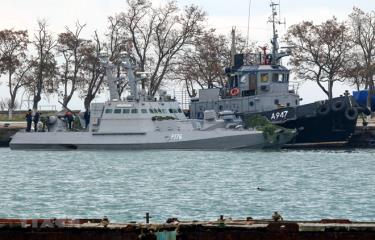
277	217
36	120
29	119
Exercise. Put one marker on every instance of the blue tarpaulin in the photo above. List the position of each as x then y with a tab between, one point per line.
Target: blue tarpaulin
166	235
361	98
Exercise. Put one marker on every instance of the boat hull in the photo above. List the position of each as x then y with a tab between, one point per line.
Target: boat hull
201	140
315	125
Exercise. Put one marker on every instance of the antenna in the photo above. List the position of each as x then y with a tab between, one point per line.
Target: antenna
233	48
248	25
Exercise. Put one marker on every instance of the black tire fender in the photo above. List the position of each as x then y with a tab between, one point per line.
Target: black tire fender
323	109
338	106
351	114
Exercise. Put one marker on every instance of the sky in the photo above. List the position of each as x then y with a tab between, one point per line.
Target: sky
222	15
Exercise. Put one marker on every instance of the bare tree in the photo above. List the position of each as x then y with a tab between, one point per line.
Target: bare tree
72	48
363	36
92	73
118	43
13	48
44	64
138	23
158	35
3	104
355	72
201	64
7	103
321	52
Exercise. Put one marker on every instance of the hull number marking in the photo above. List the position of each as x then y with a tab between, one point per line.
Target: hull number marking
175	137
279	115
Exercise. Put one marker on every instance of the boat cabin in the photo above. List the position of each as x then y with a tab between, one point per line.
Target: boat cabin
250	88
257	80
124	116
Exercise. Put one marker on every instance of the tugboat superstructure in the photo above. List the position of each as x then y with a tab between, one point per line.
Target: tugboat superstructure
264	89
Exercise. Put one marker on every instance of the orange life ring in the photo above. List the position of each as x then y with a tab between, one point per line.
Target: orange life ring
234	91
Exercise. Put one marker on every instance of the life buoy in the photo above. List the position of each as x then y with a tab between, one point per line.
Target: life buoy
338	106
351	114
323	110
234	91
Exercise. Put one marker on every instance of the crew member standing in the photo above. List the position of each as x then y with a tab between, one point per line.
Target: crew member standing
29	119
69	119
36	121
86	116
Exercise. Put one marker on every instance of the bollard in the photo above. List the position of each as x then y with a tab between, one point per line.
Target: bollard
147	217
221	221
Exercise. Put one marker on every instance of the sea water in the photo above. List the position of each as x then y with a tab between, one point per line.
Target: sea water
189	185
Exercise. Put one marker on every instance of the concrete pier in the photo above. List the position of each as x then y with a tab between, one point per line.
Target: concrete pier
7	130
96	229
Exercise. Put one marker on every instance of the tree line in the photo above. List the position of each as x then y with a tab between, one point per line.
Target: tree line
169	43
335	51
173	45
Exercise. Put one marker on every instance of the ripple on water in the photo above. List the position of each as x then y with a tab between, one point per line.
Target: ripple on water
302	185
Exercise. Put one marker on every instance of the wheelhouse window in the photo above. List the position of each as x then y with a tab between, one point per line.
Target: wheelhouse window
245	79
170	110
108	111
278	77
179	110
233	82
159	110
151	110
264	77
117	111
143	110
126	111
286	77
134	111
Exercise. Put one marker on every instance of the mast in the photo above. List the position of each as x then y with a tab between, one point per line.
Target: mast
274	41
126	63
233	48
112	81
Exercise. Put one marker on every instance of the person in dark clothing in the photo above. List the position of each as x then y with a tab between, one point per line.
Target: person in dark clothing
86	116
69	119
29	119
45	121
36	120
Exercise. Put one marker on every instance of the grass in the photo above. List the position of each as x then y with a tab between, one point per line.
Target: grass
16	117
19	116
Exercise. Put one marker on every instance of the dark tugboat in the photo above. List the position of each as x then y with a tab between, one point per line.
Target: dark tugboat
263	89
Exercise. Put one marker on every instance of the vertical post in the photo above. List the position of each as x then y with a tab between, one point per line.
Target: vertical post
147	217
233	48
330	89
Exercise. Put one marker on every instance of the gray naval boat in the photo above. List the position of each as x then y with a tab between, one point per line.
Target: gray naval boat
141	123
